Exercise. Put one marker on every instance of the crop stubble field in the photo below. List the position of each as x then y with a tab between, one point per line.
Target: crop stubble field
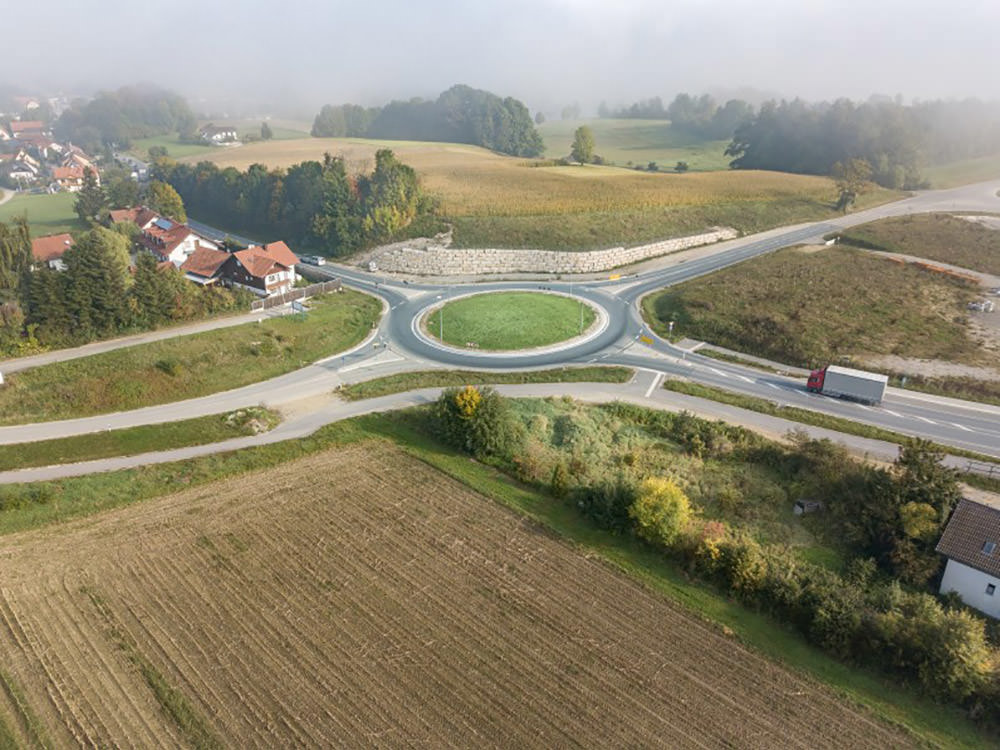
502	201
388	605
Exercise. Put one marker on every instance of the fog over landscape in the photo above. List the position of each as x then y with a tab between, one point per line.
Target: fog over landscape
295	56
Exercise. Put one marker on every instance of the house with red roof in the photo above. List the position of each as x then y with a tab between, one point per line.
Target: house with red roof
50	249
168	240
70	179
19	128
263	270
141	216
205	266
5	134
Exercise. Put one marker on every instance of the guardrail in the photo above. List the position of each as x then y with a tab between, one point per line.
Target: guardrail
990	471
277	300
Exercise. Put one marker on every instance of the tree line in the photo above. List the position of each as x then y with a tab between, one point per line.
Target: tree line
113	119
314	205
460	115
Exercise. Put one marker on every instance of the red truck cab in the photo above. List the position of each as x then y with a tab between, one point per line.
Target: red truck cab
815	382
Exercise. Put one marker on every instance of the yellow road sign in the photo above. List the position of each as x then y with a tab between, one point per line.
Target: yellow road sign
614	277
645	339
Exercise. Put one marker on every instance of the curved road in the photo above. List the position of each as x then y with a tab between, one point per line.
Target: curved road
967	425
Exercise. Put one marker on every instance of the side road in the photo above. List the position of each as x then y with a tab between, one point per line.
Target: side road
641	390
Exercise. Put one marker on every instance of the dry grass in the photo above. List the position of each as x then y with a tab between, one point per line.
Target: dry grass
359	597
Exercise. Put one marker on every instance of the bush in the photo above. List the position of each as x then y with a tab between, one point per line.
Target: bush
477	420
607	504
661	511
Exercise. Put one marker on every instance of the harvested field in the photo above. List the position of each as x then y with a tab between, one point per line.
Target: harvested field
359	597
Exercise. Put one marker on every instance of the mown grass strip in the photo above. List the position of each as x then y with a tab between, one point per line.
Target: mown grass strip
174	703
806	416
188	366
59	501
29	721
408	381
136	440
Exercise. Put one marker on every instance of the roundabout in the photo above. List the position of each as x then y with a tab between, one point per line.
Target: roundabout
510	322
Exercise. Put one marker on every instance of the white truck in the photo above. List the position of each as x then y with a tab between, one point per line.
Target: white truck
845	382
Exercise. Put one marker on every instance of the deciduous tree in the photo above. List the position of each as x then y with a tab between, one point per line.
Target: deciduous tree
582	150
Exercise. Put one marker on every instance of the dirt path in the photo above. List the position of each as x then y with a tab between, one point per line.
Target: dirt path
358	597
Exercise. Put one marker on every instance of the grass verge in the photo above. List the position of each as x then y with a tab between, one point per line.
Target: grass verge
174	703
408	381
53	502
188	366
807	416
133	441
505	321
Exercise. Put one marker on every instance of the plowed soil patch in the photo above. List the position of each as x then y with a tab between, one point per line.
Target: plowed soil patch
360	597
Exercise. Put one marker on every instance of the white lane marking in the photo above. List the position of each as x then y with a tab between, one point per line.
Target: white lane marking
744	377
720	373
923	419
960	426
654	384
893	413
367	363
862	406
772	385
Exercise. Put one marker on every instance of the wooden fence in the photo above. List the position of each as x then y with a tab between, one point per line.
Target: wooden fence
277	300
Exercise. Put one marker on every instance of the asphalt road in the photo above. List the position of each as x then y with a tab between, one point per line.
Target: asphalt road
967	425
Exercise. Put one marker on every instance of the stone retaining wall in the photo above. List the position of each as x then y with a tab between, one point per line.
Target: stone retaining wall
438	260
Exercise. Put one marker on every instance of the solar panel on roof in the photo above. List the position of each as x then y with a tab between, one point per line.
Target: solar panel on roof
164	223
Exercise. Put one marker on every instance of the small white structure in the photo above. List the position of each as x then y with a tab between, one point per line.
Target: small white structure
971	542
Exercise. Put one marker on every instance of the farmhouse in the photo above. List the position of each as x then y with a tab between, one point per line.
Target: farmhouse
971	542
50	249
168	240
217	133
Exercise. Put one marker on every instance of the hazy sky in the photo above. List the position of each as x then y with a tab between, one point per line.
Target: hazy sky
546	52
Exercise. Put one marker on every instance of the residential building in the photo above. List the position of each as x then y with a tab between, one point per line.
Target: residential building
77	157
218	133
168	240
205	265
71	179
5	134
27	128
141	216
281	253
50	249
259	271
971	542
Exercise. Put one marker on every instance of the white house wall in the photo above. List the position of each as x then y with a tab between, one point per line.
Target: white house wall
970	584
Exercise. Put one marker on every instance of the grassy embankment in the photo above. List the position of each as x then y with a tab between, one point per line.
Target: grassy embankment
137	440
838	305
510	320
501	201
47	213
409	381
637	142
963	172
189	366
939	237
53	502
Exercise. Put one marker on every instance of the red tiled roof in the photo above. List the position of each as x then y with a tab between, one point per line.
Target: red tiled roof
49	248
67	173
971	528
257	263
281	253
20	126
137	214
204	261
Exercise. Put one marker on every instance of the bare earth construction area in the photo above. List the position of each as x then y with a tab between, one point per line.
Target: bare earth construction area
360	597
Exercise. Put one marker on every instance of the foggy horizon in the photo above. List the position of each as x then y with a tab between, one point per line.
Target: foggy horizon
548	53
